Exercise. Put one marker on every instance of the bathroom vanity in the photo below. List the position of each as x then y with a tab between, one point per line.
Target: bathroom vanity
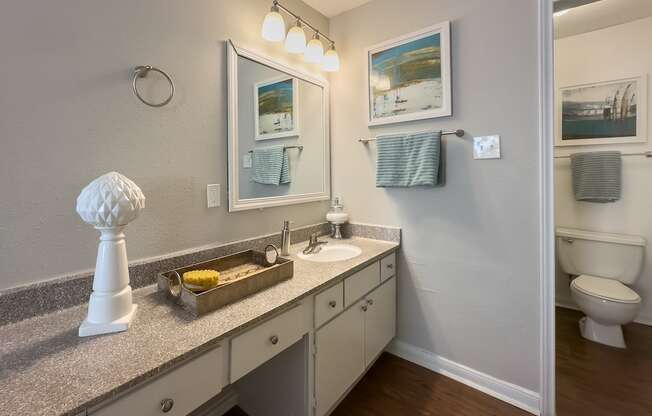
339	316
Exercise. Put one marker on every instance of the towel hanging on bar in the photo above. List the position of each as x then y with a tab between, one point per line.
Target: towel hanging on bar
407	160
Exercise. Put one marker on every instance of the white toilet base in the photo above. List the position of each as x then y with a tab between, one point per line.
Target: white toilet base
611	335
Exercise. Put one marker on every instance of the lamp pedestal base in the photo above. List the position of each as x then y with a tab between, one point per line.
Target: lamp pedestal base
87	329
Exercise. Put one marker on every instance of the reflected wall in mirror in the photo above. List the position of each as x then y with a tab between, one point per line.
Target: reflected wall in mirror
279	146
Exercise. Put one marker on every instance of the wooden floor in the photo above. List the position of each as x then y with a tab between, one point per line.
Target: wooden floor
597	380
394	387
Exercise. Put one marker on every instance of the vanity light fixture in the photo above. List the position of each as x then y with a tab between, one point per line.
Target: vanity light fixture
273	26
273	30
314	51
295	42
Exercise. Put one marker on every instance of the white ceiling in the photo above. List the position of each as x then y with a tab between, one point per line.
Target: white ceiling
330	8
599	15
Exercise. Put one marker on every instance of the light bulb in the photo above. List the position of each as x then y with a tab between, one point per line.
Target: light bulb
273	26
295	42
314	51
331	61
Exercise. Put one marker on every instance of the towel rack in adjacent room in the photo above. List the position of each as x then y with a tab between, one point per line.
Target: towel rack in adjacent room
646	154
458	133
300	147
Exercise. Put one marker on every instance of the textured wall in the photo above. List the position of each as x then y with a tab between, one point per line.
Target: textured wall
469	266
580	59
67	115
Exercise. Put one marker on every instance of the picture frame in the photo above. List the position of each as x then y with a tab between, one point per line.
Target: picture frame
276	108
409	77
604	112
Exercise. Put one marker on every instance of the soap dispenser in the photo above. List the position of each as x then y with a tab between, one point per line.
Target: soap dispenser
336	217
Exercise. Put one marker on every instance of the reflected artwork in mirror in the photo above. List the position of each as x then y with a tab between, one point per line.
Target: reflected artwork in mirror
278	133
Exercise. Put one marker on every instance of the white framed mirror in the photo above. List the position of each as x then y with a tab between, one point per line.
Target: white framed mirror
278	133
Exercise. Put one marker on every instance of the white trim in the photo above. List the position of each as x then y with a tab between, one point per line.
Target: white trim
546	210
446	109
518	396
235	202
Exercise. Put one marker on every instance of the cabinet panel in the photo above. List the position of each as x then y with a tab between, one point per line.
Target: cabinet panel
380	322
187	387
257	345
360	283
329	303
340	356
388	267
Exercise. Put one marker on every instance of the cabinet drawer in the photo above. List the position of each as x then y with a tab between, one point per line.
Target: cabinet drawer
259	344
387	267
329	303
188	387
359	284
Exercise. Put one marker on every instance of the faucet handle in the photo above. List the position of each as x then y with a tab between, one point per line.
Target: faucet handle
313	238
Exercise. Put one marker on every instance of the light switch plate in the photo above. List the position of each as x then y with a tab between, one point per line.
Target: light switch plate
486	147
213	195
246	161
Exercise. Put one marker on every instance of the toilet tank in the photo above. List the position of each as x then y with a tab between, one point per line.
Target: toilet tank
612	256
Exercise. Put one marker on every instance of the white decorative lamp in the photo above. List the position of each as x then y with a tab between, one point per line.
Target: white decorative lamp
109	203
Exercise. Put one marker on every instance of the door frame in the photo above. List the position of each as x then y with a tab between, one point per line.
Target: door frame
546	210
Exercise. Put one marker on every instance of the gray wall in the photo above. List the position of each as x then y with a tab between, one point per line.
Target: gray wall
67	115
468	287
307	166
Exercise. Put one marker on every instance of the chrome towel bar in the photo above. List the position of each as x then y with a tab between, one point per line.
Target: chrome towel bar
300	147
458	133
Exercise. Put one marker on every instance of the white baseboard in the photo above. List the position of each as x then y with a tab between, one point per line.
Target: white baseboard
219	404
511	393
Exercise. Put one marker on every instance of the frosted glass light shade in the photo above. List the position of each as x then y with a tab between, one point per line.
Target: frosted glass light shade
314	51
273	27
295	41
331	61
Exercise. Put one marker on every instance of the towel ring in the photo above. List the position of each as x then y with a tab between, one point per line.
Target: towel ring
141	71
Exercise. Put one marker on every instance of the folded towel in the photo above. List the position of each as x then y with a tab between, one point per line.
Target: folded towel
271	165
596	176
406	160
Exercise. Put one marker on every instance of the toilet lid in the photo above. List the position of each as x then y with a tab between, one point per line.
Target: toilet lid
607	289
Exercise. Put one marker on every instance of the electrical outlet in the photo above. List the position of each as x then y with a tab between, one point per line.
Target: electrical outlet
486	147
213	195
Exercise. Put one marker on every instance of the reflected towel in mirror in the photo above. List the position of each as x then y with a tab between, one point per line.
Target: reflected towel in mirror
271	165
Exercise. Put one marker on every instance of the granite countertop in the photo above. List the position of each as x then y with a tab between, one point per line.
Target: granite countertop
46	369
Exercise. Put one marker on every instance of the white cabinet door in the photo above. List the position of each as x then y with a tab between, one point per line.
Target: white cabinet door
340	356
380	323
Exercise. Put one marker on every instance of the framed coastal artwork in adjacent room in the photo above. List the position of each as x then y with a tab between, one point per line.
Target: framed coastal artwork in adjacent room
607	112
409	77
276	107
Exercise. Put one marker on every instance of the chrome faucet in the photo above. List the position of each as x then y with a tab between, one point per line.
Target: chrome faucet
314	245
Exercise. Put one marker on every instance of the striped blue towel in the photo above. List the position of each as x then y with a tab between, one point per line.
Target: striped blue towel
406	160
271	166
596	176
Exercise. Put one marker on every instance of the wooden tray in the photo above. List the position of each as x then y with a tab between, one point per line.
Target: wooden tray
241	275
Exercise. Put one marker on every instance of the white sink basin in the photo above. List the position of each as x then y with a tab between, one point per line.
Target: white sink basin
333	252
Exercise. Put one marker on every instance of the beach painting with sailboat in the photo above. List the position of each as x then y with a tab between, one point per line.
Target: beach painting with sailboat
602	113
409	77
275	108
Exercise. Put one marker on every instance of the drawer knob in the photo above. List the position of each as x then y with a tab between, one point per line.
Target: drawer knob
273	339
332	304
364	308
370	301
167	405
390	266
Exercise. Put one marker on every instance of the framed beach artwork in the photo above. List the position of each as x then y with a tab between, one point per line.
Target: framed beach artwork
276	108
608	112
409	77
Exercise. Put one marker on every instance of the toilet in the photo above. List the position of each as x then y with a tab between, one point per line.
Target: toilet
602	265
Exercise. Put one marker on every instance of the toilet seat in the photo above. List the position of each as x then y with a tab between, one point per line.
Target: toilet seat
607	289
